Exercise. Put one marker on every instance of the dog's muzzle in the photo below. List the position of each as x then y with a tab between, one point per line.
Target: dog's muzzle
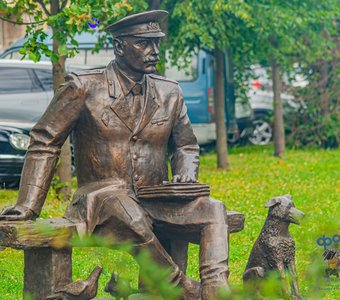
295	215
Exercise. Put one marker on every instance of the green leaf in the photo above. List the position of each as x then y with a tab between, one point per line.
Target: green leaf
62	50
33	57
48	52
74	42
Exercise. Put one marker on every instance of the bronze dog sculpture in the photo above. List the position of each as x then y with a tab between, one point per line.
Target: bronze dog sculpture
274	249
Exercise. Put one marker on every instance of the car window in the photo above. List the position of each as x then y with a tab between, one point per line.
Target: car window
86	57
17	55
7	56
45	77
79	59
189	73
15	80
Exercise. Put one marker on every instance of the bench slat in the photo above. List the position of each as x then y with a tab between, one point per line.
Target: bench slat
41	233
57	233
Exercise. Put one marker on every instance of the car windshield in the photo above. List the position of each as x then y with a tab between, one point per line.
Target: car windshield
188	73
16	55
84	57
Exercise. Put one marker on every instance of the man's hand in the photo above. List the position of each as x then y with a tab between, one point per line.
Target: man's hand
17	213
183	178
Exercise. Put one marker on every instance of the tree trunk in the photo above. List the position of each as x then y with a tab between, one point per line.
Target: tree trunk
279	134
64	168
219	103
230	95
323	68
154	4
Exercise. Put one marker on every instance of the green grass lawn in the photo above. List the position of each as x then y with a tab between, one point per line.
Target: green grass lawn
312	177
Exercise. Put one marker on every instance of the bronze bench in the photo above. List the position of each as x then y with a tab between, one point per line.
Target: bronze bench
48	250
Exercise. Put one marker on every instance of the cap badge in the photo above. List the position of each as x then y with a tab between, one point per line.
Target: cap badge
153	26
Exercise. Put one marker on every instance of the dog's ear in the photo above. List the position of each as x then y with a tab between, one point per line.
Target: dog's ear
289	196
273	201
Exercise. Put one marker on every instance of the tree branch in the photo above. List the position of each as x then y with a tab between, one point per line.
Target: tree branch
43	5
22	23
63	4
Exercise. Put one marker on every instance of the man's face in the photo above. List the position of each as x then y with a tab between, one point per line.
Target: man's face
141	54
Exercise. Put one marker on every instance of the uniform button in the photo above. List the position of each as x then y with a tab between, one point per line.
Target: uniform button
136	177
134	138
134	156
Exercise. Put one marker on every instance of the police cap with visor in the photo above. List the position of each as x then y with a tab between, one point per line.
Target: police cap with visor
145	24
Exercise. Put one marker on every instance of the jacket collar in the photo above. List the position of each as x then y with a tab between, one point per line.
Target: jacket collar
119	105
126	83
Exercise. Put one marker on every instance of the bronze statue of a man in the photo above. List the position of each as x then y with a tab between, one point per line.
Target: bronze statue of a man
126	122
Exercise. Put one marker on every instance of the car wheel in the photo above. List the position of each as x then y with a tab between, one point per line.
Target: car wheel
263	133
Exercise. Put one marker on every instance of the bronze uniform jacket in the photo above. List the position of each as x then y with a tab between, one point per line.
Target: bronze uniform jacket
112	155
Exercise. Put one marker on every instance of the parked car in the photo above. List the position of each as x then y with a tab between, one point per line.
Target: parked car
26	88
14	141
261	98
196	81
85	57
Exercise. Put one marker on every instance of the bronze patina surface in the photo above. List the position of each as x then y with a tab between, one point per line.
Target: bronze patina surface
126	123
274	249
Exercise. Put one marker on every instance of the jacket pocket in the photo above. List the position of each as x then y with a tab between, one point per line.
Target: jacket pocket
159	121
105	118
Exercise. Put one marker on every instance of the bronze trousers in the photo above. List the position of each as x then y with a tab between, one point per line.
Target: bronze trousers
200	221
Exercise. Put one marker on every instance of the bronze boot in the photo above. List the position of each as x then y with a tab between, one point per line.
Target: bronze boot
191	289
214	270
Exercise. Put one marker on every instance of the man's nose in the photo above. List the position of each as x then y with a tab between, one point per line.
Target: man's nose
155	48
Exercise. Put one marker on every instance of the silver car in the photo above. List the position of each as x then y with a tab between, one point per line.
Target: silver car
261	98
26	88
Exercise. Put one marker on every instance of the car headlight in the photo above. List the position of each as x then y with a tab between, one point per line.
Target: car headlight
19	141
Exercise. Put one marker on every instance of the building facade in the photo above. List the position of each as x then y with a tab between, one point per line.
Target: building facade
9	33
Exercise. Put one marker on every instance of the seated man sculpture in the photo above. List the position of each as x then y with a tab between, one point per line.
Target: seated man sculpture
126	121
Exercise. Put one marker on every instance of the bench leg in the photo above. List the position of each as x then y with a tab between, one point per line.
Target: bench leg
45	270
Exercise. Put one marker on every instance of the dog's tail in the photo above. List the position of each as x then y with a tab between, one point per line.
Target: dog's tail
253	274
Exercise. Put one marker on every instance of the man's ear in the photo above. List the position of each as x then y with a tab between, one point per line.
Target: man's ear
273	201
118	46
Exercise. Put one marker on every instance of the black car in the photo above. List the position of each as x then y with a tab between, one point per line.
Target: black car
14	141
26	89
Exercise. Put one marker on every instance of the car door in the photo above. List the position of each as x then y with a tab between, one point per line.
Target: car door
21	94
196	81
